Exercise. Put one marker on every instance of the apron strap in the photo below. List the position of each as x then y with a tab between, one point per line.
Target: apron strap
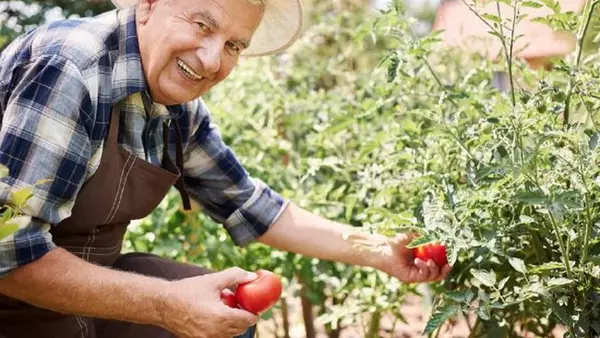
113	128
180	183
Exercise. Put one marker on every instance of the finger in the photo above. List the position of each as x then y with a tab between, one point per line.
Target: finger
445	271
423	273
227	292
233	276
434	270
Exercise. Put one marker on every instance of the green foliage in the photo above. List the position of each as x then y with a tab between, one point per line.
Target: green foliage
366	123
12	217
20	16
425	142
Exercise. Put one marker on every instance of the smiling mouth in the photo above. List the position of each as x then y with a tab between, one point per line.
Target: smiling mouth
187	71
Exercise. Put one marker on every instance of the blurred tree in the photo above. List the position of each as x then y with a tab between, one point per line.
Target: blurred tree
18	17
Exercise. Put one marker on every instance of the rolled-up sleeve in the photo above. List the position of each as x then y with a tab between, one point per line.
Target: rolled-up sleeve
245	205
44	143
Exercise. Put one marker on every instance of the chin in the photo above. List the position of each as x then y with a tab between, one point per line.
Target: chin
173	97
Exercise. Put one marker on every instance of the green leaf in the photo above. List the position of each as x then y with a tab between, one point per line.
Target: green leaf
460	296
593	259
487	278
530	197
350	203
552	4
532	4
483	312
561	313
492	17
440	317
526	219
548	267
518	264
8	213
421	240
559	281
267	314
19	198
503	283
8	229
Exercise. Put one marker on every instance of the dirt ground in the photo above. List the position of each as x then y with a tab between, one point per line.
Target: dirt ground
415	311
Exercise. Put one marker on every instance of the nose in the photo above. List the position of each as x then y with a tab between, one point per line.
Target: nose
210	57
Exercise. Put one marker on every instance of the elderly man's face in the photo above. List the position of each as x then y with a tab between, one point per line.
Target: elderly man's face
188	46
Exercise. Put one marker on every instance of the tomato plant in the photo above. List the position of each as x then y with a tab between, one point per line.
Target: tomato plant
429	145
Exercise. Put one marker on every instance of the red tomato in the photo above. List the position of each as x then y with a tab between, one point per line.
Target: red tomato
260	294
229	298
434	251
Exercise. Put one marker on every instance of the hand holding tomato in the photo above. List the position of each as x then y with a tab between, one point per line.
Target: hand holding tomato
415	266
193	307
256	296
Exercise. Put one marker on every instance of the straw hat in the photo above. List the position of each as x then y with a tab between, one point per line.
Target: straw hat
280	27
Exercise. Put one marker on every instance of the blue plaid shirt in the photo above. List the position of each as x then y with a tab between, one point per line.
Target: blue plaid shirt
58	85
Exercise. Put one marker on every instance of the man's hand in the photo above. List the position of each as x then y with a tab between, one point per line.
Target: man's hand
400	263
193	307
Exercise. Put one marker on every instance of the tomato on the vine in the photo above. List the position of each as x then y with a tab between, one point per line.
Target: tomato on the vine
433	251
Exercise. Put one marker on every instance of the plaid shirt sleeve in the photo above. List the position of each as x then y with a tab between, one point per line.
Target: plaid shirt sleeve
44	137
246	206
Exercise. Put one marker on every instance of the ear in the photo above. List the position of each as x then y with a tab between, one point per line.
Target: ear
144	10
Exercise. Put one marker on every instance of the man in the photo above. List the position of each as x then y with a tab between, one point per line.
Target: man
106	112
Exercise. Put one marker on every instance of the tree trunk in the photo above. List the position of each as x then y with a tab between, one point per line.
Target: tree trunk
285	318
307	313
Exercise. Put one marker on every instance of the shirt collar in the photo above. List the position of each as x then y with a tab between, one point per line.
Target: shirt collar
127	75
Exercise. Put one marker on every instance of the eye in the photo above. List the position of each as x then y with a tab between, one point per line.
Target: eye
204	28
234	48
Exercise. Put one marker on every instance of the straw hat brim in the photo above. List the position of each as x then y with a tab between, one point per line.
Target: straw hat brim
280	27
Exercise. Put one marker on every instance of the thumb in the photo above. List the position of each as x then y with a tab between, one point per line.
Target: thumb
233	276
402	240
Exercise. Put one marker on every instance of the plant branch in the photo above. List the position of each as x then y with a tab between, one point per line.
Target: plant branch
562	245
589	224
581	33
508	52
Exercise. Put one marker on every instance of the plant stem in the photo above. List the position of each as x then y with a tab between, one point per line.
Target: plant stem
508	52
562	245
589	224
587	18
374	325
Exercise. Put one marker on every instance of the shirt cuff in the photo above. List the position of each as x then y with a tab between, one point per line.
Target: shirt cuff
256	215
28	244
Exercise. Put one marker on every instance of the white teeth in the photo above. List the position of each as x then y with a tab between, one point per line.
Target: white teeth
188	70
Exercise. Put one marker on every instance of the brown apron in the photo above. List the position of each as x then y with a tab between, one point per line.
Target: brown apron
123	188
